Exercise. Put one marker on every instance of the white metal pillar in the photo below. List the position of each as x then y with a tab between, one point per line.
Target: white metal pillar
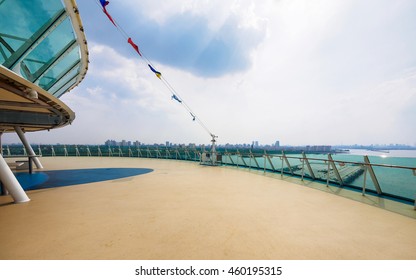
11	184
27	146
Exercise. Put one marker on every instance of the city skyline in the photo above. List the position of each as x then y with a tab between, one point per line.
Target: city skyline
303	72
253	144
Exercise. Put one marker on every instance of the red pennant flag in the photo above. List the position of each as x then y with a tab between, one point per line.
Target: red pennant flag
130	41
108	15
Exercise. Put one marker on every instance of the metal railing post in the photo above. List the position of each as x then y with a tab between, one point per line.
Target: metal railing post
414	174
242	159
334	168
303	167
373	175
270	162
327	175
365	178
308	165
231	160
287	163
249	162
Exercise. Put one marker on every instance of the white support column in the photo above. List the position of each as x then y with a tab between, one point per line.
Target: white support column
27	146
11	184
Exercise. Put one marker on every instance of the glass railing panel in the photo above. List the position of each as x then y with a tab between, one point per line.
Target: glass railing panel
277	162
235	159
255	161
295	163
353	173
395	181
165	154
306	172
319	167
226	159
268	165
239	161
71	150
124	151
247	160
83	150
93	150
44	150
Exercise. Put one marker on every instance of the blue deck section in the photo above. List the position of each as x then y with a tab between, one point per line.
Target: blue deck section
63	178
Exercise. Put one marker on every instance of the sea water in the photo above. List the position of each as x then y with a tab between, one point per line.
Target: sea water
395	181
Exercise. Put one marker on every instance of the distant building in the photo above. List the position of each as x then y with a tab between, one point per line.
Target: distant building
318	149
111	143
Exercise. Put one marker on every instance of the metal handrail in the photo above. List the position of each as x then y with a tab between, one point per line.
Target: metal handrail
366	166
336	161
248	159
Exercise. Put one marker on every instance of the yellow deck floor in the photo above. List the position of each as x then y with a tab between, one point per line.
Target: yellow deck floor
183	210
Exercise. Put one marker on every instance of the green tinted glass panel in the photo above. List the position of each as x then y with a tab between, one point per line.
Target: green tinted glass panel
48	49
20	20
60	69
38	42
57	88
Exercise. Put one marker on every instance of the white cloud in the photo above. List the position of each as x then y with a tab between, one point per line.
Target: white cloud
328	72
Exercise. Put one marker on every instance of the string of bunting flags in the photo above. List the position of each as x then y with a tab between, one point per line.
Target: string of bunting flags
175	96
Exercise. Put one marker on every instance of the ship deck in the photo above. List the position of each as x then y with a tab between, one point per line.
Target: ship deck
182	210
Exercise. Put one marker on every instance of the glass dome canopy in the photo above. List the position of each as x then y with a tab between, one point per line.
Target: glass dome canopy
43	41
43	54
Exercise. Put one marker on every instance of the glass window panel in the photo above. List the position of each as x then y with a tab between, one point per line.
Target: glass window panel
21	19
49	48
57	87
62	90
59	69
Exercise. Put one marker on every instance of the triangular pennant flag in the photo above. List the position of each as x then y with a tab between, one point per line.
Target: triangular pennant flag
158	74
108	15
130	41
176	98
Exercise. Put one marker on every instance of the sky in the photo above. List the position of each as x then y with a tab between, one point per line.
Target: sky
303	72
